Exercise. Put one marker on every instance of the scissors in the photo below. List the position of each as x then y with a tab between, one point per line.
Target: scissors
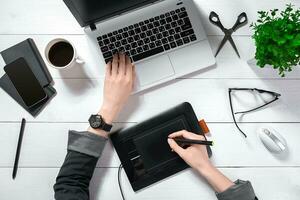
241	21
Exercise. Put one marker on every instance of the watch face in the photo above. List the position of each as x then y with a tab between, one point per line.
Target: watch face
95	121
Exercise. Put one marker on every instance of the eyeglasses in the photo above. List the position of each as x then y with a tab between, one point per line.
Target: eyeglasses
260	91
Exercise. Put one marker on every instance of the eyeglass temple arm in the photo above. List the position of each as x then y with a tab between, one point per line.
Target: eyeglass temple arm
247	111
232	113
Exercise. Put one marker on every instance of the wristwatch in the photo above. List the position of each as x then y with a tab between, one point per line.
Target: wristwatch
97	122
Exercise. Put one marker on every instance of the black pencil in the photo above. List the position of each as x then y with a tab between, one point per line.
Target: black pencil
18	149
189	141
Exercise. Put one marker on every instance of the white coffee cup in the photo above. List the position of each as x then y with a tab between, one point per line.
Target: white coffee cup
61	54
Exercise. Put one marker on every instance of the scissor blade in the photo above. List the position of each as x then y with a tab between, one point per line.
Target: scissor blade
233	45
221	45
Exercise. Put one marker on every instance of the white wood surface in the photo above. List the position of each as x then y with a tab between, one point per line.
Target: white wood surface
80	93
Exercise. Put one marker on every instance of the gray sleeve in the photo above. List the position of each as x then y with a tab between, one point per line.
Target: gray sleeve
242	190
86	143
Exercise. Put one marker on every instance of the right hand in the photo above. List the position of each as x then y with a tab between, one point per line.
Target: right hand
195	155
119	83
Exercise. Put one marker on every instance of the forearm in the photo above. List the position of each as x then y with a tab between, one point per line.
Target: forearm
225	188
84	149
215	178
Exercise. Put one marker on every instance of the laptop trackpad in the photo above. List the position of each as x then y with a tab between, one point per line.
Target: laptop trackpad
153	70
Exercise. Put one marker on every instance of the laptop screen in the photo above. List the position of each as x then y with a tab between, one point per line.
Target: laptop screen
92	11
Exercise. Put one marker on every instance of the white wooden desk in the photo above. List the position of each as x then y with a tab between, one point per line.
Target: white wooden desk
79	94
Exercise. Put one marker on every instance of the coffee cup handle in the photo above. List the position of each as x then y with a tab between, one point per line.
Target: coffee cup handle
79	60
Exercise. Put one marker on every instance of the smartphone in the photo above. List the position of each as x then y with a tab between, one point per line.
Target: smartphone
25	82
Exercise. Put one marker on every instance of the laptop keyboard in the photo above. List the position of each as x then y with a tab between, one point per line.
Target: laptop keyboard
150	37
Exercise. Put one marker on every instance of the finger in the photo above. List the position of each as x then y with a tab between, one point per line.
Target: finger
108	69
128	67
187	135
122	66
115	65
175	147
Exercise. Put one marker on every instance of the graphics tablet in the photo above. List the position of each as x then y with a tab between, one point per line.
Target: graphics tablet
144	151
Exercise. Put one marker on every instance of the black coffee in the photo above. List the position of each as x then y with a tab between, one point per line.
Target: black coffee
61	54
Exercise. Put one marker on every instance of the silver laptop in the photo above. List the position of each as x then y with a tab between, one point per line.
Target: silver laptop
164	38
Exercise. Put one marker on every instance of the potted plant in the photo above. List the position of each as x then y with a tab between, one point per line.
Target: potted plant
277	39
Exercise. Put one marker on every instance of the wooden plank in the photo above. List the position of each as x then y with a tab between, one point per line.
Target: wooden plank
228	64
57	19
269	184
76	99
44	145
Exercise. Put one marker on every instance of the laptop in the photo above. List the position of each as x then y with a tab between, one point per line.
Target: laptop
164	38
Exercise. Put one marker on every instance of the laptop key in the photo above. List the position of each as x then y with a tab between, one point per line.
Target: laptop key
139	50
130	39
164	41
143	35
155	31
127	47
119	37
177	29
171	31
133	52
147	40
159	36
151	45
171	38
100	43
152	38
99	38
176	36
167	47
146	47
180	22
108	59
182	9
179	42
187	32
140	42
118	44
125	35
148	53
111	46
107	54
106	41
186	26
186	40
173	45
149	33
133	45
144	28
158	43
104	49
124	42
193	37
112	39
183	14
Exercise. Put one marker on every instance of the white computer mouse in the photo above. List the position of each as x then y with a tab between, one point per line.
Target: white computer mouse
272	140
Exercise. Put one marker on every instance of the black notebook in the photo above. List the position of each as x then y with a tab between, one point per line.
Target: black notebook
144	151
28	50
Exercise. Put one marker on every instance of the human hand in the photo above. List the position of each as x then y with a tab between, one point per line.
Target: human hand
195	155
118	85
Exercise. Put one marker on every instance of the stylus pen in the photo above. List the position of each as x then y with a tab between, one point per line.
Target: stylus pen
18	149
189	141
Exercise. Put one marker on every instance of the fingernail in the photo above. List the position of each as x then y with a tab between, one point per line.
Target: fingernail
169	140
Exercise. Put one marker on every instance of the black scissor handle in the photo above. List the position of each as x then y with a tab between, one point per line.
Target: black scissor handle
214	19
241	21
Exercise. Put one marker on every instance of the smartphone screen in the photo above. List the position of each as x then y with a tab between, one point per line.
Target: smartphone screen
25	82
